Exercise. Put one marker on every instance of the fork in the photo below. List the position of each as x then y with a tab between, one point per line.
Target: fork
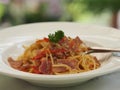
101	50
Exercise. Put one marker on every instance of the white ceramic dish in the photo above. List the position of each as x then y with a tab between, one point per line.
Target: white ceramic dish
17	36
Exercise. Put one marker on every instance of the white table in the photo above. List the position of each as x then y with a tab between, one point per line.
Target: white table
107	82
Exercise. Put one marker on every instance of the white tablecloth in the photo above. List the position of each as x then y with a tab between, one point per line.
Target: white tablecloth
107	82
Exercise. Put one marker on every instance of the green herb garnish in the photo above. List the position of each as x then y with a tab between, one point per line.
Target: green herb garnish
56	37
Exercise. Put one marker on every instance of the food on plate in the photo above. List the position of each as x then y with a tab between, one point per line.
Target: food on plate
54	55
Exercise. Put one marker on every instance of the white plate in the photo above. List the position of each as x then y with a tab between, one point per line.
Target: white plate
16	36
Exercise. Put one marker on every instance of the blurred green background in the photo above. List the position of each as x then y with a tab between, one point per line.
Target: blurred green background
98	12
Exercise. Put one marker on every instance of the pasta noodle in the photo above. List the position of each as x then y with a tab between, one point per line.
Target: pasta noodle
64	57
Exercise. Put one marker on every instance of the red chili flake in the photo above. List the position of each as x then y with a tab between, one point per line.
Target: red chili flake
46	39
40	55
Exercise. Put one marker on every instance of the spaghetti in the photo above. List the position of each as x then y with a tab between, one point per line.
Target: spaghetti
64	57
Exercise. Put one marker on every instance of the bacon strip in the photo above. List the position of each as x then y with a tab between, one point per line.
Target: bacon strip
14	64
46	66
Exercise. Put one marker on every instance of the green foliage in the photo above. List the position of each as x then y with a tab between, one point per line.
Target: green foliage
74	9
2	10
38	16
98	6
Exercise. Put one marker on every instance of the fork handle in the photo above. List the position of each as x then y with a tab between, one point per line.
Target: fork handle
102	50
